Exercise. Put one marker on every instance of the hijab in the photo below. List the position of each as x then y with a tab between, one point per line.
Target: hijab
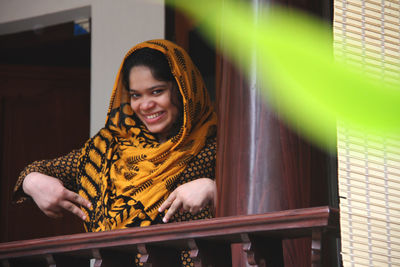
124	171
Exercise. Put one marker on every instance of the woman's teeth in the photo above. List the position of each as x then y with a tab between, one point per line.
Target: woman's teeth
153	115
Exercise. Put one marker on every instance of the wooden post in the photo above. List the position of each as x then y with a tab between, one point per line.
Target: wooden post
153	256
262	165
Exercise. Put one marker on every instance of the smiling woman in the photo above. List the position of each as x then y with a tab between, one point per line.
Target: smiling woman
155	152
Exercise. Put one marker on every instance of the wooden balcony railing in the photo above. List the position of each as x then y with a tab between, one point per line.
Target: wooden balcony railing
208	242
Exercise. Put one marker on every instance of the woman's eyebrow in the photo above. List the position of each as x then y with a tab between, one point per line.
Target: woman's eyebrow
150	88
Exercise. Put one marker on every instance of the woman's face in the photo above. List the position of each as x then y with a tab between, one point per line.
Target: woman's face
151	101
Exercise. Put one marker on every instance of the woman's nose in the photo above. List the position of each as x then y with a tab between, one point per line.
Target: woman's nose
147	104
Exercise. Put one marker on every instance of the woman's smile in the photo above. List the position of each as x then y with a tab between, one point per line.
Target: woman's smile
154	117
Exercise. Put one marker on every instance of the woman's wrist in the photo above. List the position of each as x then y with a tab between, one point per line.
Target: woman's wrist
28	181
210	188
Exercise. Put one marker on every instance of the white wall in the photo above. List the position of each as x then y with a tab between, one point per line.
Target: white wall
14	10
116	26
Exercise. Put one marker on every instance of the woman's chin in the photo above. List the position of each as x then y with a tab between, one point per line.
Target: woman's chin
155	129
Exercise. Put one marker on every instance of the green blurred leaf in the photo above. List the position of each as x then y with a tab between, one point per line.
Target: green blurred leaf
299	75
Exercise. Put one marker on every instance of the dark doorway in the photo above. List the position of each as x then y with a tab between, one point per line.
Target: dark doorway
183	31
44	113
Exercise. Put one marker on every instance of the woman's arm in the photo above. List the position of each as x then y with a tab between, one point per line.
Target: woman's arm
51	183
52	197
196	188
192	196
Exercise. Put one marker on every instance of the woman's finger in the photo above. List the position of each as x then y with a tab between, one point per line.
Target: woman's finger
177	204
194	209
186	206
77	199
53	214
69	206
167	203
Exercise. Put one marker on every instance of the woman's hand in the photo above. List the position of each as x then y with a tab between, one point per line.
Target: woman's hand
52	197
192	196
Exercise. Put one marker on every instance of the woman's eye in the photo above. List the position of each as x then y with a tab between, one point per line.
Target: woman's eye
135	96
157	91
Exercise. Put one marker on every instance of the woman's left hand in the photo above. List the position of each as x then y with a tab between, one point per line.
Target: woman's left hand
192	196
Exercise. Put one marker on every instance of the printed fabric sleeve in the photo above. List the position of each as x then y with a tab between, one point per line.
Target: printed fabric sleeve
201	166
64	168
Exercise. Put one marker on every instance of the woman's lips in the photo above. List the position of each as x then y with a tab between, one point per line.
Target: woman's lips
154	117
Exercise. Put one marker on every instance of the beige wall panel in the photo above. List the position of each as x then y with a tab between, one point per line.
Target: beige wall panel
116	26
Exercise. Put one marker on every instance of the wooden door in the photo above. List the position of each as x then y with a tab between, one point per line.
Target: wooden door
44	113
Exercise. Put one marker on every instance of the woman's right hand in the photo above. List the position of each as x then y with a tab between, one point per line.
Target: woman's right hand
52	197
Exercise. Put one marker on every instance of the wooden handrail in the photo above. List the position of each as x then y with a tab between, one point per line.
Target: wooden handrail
185	235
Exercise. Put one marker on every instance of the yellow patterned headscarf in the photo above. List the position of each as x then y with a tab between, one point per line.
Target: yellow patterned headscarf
125	171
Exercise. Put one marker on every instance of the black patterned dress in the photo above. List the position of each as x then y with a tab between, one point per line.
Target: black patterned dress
65	168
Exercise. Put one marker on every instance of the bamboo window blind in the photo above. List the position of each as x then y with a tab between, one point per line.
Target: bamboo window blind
367	34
